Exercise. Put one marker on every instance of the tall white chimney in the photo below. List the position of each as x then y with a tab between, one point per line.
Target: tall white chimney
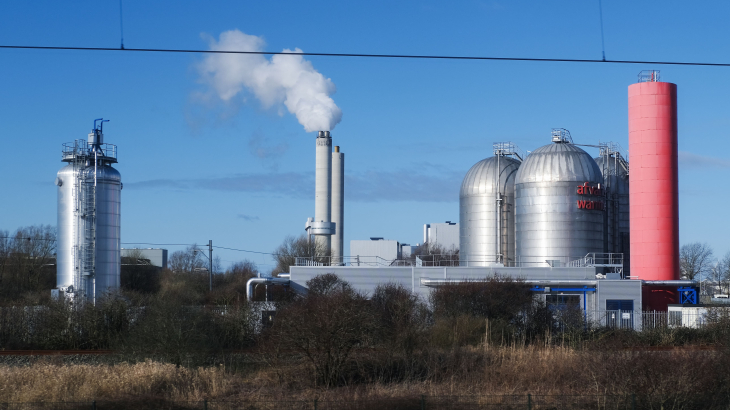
322	227
338	201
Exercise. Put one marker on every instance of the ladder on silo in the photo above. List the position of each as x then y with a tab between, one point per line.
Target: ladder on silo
88	261
84	195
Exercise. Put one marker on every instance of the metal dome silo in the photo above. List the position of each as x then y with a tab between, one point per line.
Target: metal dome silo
89	218
488	190
559	204
615	170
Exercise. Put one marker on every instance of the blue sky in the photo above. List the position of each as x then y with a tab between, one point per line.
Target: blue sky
242	175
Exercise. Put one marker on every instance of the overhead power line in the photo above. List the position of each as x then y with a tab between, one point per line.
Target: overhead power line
403	56
244	250
192	244
160	244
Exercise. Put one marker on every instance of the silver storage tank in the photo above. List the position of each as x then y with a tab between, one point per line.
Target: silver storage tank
616	177
551	226
108	229
89	219
478	224
66	234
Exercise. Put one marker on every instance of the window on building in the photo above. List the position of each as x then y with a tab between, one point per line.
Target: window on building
620	304
562	300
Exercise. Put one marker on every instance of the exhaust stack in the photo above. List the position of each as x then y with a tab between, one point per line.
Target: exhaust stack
653	186
322	227
338	202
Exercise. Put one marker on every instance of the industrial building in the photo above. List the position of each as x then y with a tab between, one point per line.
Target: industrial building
600	232
374	252
444	235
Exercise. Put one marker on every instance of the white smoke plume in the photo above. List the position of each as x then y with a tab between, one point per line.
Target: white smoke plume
290	80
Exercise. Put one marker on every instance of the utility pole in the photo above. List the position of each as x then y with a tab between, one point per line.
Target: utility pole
210	263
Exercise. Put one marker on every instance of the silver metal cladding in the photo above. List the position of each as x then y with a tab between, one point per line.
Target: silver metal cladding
66	222
552	225
108	229
478	209
89	220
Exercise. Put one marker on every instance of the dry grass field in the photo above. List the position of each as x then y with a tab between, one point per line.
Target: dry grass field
674	375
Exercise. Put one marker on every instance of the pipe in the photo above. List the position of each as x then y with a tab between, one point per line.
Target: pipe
438	282
669	283
498	183
253	281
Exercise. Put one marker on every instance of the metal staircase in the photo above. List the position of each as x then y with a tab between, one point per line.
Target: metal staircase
84	222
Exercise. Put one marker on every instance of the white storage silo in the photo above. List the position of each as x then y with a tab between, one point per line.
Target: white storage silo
89	218
559	204
486	209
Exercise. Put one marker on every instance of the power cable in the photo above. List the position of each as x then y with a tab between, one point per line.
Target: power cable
156	244
244	250
404	56
192	244
160	244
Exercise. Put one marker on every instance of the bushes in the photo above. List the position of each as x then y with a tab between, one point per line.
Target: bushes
60	325
496	308
336	344
403	318
324	327
166	331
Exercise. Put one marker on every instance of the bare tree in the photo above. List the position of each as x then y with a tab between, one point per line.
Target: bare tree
403	317
26	260
229	287
327	284
324	328
437	255
285	255
243	268
723	270
695	260
188	261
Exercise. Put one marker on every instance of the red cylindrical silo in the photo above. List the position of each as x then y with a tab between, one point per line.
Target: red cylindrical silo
653	188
